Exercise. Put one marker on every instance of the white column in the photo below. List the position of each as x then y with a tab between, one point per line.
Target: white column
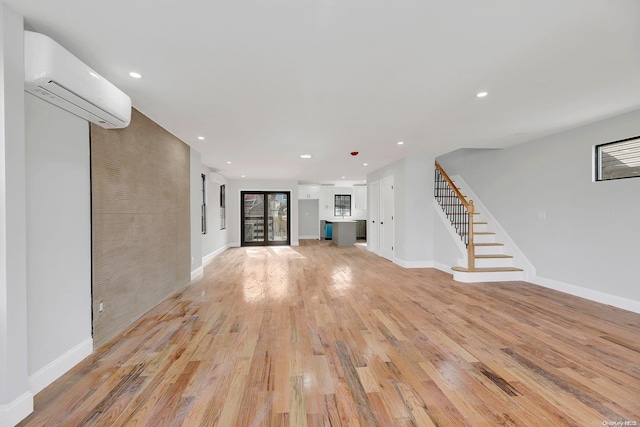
16	401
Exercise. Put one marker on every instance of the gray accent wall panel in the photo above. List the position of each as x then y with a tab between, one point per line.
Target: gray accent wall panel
141	222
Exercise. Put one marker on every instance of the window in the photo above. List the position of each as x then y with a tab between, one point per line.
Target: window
203	205
223	214
619	159
342	205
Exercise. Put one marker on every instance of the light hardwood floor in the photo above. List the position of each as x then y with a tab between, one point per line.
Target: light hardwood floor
320	335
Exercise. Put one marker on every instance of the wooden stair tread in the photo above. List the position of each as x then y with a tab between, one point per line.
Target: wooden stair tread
486	270
493	256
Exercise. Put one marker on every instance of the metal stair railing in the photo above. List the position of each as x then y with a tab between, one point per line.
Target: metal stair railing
458	210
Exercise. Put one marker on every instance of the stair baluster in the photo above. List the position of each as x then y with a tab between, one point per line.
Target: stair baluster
457	209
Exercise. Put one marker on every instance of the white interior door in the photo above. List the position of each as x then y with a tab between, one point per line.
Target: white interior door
386	218
373	227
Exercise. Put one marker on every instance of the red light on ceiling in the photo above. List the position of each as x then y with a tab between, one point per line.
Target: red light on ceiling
354	153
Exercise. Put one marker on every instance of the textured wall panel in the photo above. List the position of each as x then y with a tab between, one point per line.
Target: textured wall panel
141	221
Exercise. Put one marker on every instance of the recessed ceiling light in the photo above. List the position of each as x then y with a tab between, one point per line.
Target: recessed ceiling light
135	75
228	163
201	138
365	164
305	156
241	176
343	177
482	94
400	143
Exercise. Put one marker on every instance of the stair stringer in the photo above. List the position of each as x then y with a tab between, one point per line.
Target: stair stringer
510	247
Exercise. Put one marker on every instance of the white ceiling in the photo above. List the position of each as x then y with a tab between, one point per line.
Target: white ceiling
266	81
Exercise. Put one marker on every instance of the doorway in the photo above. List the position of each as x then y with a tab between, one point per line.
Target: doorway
265	218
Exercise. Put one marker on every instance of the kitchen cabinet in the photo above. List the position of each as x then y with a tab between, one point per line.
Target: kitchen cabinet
326	199
359	197
308	192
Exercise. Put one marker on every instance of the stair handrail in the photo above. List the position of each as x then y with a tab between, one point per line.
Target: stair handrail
468	204
453	187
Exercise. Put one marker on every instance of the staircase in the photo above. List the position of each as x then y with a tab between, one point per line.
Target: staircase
486	260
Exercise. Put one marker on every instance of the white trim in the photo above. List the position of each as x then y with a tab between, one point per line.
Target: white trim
16	411
234	245
442	267
413	264
487	277
295	243
214	254
590	294
55	369
197	273
422	264
316	237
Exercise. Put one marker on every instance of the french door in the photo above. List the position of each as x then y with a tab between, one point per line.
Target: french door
265	218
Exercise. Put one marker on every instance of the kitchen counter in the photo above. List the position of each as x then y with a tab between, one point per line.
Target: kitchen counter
344	232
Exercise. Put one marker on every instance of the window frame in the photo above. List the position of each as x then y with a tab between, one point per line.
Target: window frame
223	206
598	168
203	204
340	202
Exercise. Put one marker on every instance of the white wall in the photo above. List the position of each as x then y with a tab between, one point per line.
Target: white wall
397	170
327	198
308	218
233	204
205	246
414	215
16	401
216	240
58	240
419	214
573	230
195	163
446	252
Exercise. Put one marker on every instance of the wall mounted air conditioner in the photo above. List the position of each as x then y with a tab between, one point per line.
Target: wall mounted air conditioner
55	75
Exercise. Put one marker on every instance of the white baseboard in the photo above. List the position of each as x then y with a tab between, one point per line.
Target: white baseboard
413	264
55	369
316	237
197	273
590	294
214	254
423	264
16	411
295	243
442	267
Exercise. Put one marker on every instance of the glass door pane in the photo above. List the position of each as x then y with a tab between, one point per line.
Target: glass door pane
253	218
278	217
265	219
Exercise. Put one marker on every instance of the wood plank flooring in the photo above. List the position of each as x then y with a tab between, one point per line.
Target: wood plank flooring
320	335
